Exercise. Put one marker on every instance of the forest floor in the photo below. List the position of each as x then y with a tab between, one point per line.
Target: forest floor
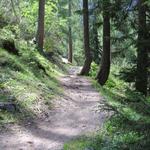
73	114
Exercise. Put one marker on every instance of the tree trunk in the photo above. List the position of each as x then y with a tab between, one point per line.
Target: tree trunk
142	52
40	31
70	51
88	58
103	73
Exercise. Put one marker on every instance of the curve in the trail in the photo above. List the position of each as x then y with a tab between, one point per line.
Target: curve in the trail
74	113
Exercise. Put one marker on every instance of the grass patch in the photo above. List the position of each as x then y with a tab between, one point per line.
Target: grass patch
29	81
89	142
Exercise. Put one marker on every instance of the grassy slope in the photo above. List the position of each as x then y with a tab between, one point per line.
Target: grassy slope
29	81
127	129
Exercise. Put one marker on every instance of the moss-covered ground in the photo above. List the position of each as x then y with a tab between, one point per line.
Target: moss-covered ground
28	81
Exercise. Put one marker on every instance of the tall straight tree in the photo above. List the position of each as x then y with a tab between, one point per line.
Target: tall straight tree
88	57
40	30
103	73
70	51
142	52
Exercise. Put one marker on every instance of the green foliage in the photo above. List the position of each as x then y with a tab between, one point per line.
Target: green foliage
28	81
6	34
111	83
25	25
30	78
93	71
128	74
90	142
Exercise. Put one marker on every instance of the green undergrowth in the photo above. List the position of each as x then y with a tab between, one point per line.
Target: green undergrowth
128	128
87	142
28	81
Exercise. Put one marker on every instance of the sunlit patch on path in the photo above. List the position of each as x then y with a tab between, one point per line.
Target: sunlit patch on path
74	113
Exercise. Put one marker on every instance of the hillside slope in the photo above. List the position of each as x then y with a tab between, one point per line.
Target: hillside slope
28	82
74	113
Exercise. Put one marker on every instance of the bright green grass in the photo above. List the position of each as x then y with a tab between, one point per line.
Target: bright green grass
27	80
88	142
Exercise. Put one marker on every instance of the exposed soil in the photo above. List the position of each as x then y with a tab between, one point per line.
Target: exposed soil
74	113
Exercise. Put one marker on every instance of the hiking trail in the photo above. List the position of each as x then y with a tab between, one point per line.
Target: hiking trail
75	113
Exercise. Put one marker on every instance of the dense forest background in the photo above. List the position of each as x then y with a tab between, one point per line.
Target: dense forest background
110	39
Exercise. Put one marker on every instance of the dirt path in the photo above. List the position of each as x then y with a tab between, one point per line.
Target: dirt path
74	114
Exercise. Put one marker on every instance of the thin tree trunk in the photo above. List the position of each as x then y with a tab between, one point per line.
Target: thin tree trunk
40	31
103	73
88	58
142	52
70	51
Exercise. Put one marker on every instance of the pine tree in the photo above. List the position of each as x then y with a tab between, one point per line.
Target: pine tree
142	52
70	51
88	58
40	31
103	73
